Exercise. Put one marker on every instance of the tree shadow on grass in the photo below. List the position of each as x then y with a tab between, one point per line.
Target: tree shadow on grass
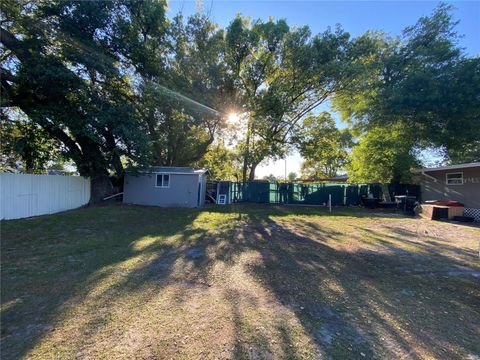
51	263
364	305
350	305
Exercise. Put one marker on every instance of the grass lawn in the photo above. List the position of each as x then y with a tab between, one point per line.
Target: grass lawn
238	282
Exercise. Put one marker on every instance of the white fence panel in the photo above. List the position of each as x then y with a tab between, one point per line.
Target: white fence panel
25	195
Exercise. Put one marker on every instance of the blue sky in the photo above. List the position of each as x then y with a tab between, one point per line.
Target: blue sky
356	17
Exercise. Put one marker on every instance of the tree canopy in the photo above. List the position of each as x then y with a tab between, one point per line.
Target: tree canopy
422	81
116	84
323	146
61	65
382	155
101	79
281	74
222	162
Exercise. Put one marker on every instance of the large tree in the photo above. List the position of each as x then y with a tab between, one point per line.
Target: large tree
422	81
115	83
222	162
383	155
184	108
62	69
281	75
469	152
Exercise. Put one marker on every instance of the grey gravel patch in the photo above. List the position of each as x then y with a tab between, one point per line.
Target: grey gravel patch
407	292
333	326
160	264
325	334
275	227
461	271
195	253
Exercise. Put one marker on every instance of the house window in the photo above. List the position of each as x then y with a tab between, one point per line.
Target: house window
455	178
163	180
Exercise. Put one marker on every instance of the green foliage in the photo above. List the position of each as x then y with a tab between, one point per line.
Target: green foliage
270	178
292	176
282	74
323	146
180	126
465	154
25	141
63	72
423	81
115	84
222	162
383	155
139	32
95	77
176	137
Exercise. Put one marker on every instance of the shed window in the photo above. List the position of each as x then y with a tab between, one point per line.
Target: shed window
455	178
163	180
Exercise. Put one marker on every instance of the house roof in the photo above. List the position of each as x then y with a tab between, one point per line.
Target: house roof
178	170
452	167
340	177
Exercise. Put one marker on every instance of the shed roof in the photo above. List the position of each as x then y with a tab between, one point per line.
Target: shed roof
178	170
452	167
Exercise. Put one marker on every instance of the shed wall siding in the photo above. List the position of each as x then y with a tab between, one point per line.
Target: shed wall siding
141	190
467	193
203	180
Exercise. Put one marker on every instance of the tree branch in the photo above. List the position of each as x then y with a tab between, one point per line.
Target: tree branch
15	45
7	75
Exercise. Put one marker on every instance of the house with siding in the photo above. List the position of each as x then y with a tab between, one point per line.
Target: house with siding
455	182
166	186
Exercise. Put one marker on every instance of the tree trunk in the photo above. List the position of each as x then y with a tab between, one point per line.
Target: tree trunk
245	164
244	170
251	176
386	193
246	156
101	186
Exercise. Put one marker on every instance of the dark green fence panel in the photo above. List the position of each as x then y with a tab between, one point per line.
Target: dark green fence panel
352	195
317	194
258	192
363	190
375	190
313	194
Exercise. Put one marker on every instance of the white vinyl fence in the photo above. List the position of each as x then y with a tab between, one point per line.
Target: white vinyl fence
25	195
